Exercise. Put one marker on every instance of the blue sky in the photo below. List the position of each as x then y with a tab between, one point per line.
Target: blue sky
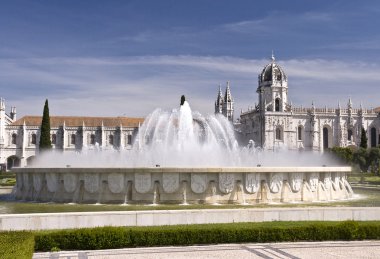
112	58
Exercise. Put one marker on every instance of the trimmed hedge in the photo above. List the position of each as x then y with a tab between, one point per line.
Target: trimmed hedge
16	245
120	237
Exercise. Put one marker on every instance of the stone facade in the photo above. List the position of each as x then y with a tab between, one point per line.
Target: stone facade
275	123
19	139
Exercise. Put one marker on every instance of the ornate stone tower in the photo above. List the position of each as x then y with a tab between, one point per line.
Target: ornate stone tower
228	104
273	88
219	101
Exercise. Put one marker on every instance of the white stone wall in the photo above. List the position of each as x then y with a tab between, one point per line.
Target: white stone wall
253	127
72	220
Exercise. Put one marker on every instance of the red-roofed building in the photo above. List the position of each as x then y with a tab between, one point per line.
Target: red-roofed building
19	139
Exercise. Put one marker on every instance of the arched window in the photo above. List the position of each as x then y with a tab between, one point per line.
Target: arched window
54	139
129	139
277	105
34	139
278	134
349	135
92	139
299	131
13	161
373	137
14	139
325	138
72	139
110	140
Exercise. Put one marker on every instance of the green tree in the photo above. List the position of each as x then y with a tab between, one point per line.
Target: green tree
45	142
361	158
344	154
374	159
363	139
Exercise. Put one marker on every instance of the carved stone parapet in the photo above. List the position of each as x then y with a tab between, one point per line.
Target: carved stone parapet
143	182
198	182
252	182
170	182
226	182
276	181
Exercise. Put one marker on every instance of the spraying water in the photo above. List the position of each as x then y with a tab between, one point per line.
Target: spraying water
183	137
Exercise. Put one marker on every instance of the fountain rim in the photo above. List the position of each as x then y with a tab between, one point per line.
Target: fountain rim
263	169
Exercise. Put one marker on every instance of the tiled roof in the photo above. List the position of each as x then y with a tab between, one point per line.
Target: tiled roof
73	121
377	109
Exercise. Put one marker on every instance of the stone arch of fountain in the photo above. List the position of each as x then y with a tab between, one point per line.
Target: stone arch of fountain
183	185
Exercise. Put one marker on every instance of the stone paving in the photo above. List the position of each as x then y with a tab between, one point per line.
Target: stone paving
325	250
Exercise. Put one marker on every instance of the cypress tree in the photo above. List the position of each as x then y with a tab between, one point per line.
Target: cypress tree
363	139
45	142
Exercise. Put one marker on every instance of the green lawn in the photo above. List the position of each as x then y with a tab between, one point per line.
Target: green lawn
7	179
365	178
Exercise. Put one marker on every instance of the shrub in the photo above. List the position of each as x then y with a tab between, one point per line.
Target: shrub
344	154
119	237
362	157
16	245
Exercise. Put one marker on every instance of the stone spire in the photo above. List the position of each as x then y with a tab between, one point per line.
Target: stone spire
13	113
227	95
349	104
2	104
219	101
219	98
228	103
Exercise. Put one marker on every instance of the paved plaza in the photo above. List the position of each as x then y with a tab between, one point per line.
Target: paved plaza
325	250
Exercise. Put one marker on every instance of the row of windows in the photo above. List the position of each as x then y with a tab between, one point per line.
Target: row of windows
92	139
72	139
33	139
325	132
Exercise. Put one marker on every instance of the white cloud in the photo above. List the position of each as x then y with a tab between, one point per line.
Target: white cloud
135	86
276	23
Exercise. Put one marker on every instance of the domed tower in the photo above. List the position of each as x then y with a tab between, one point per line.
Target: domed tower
273	88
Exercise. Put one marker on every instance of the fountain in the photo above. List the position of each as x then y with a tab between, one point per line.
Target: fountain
183	157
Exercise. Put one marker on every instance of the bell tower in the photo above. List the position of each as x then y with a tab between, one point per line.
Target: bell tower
273	88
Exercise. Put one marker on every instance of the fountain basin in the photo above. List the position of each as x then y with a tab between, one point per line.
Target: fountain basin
181	185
